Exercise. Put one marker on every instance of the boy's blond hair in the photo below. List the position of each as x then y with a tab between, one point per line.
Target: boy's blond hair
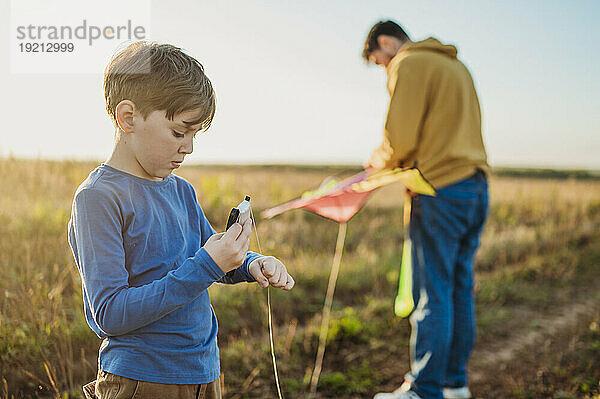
157	77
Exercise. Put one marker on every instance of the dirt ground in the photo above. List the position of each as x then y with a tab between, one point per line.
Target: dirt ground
558	358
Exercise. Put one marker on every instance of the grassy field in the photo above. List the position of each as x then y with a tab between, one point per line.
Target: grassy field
537	287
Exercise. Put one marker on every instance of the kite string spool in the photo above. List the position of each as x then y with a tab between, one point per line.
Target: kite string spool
268	313
339	247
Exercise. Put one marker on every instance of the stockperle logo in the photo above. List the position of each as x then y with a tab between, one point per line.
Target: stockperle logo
73	36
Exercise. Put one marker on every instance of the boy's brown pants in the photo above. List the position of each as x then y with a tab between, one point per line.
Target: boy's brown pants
111	386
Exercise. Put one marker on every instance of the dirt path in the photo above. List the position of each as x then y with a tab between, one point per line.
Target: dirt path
488	363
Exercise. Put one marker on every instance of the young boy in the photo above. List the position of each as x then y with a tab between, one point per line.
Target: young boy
143	246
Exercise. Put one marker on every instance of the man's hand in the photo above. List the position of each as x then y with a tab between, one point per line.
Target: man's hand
411	194
229	249
269	270
371	169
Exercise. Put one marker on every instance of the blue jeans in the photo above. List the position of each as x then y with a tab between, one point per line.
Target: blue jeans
445	233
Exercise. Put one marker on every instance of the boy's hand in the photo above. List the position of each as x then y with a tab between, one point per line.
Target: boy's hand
269	270
229	249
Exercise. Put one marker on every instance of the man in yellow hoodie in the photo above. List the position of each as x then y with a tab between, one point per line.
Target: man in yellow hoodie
434	122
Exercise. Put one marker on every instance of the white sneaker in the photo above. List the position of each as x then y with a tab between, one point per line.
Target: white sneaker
457	393
397	394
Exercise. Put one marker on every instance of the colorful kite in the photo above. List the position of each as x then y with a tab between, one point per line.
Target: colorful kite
339	201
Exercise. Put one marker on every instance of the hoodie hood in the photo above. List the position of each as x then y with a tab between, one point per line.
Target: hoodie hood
431	44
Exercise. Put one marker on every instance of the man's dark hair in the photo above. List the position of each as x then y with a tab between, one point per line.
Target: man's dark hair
389	28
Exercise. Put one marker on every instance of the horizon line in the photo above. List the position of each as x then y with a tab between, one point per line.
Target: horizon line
335	165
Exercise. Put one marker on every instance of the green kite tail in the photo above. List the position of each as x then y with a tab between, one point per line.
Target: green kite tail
415	182
404	301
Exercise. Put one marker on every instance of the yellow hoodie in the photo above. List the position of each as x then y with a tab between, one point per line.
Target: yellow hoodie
433	118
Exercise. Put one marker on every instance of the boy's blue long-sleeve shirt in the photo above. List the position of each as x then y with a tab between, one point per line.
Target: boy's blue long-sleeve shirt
138	246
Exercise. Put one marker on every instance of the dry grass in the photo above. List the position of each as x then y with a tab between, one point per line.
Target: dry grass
46	347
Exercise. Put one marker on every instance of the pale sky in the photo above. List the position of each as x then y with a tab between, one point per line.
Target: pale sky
292	88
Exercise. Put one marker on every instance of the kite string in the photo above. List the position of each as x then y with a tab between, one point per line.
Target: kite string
339	247
268	312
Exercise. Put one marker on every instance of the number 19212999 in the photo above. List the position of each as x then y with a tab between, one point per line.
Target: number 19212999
46	47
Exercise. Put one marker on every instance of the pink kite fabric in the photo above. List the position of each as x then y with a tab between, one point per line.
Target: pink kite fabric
339	203
339	207
341	200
